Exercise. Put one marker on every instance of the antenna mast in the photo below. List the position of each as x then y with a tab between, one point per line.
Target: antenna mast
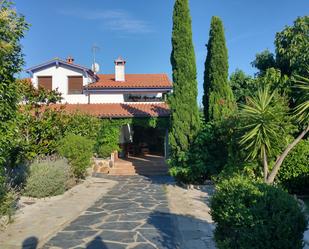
95	49
95	66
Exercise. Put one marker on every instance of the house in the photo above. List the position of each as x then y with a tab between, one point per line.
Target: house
117	95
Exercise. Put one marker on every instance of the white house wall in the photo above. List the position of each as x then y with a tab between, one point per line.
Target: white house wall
106	98
60	75
60	80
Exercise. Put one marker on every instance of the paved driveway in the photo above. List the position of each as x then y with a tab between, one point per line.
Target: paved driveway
133	215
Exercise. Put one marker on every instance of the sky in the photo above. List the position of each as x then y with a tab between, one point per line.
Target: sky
140	31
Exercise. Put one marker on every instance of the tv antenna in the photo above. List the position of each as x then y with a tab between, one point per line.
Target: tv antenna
95	66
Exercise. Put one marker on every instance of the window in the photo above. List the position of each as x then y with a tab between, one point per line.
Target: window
45	82
75	85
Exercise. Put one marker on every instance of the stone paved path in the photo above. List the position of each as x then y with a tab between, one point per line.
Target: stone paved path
133	215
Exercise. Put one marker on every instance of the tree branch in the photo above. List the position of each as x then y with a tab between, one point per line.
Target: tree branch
274	172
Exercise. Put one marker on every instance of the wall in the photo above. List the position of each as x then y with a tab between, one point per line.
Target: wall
60	80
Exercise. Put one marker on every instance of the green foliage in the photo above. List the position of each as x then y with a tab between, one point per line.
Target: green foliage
83	125
78	150
264	61
218	97
34	98
8	204
294	172
107	140
291	57
212	149
47	179
12	29
292	44
183	104
302	110
242	86
266	123
256	216
38	134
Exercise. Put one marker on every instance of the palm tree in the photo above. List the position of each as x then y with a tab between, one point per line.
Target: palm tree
267	123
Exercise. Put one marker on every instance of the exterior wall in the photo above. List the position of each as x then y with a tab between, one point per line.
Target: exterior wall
106	98
60	81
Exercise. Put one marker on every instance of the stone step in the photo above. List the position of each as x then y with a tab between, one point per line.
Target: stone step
116	166
143	171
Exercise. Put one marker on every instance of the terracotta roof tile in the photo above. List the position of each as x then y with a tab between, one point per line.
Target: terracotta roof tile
133	81
118	110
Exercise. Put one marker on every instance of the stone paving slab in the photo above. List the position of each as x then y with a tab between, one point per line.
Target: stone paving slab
134	214
34	224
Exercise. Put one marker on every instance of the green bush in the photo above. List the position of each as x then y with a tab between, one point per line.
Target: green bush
47	179
207	155
78	150
294	172
107	140
8	200
82	124
255	215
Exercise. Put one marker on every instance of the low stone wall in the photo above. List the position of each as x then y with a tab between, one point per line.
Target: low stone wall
103	165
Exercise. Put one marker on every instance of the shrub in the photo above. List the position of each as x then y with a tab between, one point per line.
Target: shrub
47	179
294	172
107	140
82	124
78	151
256	216
208	154
8	200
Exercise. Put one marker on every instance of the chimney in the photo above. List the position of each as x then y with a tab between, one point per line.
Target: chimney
120	69
70	59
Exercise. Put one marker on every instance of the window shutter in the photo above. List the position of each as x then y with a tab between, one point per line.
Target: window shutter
75	85
45	82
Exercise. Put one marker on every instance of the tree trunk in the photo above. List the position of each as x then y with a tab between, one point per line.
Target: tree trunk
265	164
279	161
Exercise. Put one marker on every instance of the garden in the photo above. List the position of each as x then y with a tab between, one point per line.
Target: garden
250	137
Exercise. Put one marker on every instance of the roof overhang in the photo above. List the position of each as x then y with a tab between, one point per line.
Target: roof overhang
116	110
57	62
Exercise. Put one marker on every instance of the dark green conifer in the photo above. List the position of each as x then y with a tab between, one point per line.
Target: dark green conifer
183	103
218	99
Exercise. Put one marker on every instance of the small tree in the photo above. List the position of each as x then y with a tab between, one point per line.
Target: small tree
218	97
183	104
267	126
12	29
242	86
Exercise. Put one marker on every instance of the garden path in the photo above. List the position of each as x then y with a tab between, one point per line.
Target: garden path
134	214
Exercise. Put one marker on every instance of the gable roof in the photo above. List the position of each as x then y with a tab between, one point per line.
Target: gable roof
57	62
106	81
117	110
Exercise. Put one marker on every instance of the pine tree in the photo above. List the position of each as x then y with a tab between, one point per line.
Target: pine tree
218	97
185	116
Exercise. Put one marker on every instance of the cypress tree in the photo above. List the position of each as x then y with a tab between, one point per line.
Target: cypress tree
218	99
183	103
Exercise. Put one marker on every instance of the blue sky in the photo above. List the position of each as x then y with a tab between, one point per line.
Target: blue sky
140	30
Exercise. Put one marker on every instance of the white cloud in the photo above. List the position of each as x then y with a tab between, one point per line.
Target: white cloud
114	20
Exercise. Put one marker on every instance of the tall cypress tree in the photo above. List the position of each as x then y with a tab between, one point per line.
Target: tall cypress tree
183	103
218	97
